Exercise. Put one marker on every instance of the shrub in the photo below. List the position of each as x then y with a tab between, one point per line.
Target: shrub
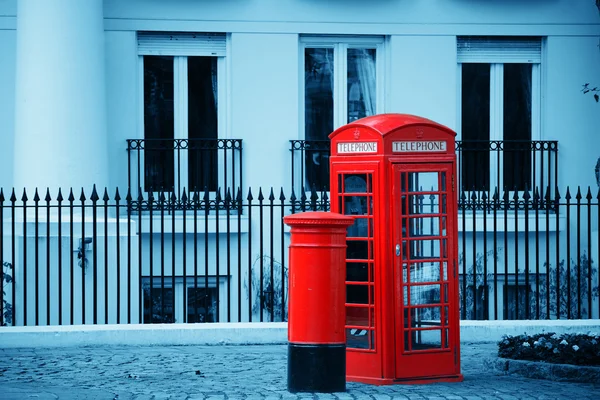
570	348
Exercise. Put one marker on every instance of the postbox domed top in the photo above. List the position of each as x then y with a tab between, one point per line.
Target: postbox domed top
387	123
318	218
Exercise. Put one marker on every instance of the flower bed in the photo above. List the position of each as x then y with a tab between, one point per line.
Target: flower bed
575	349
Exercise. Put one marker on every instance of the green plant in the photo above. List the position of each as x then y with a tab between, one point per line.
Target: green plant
272	301
6	277
570	348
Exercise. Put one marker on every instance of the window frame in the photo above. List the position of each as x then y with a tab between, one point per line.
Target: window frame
340	44
497	104
153	45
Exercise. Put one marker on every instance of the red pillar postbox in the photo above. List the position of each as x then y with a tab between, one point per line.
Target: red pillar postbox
395	174
317	343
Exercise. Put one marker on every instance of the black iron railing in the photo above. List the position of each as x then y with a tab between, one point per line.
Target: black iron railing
93	258
482	165
178	165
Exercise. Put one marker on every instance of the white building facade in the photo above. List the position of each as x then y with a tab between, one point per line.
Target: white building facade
81	82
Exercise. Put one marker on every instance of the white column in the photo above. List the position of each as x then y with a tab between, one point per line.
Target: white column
60	121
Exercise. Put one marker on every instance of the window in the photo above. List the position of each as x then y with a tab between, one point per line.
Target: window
500	115
183	84
342	82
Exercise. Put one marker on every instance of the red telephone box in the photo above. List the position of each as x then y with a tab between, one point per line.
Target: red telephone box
395	174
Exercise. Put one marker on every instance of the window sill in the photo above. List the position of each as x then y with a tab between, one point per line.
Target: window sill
515	222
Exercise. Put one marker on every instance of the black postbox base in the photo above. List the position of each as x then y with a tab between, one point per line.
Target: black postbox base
316	368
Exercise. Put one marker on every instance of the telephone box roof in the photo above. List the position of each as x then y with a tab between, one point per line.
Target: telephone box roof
387	123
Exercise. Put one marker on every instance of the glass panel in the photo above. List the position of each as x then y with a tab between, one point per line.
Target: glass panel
361	83
445	293
359	228
427	248
446	315
517	126
372	336
424	294
158	309
355	205
425	317
318	112
445	270
357	338
423	182
475	107
425	272
202	122
357	272
424	226
423	204
357	316
355	183
443	226
357	294
357	250
425	340
446	339
158	123
202	305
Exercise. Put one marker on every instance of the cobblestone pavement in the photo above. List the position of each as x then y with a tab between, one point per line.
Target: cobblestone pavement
233	372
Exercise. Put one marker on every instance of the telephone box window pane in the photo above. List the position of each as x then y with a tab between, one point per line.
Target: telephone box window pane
159	123
318	114
359	228
202	122
361	83
445	270
355	183
445	292
427	339
357	316
475	135
420	249
357	338
355	205
423	204
425	317
423	182
446	315
425	272
424	294
357	250
517	126
427	226
357	294
357	272
446	339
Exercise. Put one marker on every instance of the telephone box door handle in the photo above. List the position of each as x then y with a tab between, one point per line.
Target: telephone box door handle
397	250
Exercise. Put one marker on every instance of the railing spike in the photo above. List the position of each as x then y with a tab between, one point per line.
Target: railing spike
47	198
140	195
588	196
71	196
578	195
13	197
82	196
526	195
260	194
128	196
59	198
117	195
161	197
218	196
36	196
1	195
556	194
496	195
484	197
281	195
94	196
184	198
249	197
238	196
293	196
228	198
568	195
271	195
536	195
105	197
195	196
206	196
24	197
505	195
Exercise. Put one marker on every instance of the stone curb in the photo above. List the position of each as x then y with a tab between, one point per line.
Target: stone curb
542	370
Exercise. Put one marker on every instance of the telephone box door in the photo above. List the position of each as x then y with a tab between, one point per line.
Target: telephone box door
423	251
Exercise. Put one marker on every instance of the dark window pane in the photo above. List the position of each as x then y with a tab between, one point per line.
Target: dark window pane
158	308
318	113
202	305
361	83
475	106
357	294
517	126
158	123
357	272
357	250
202	123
